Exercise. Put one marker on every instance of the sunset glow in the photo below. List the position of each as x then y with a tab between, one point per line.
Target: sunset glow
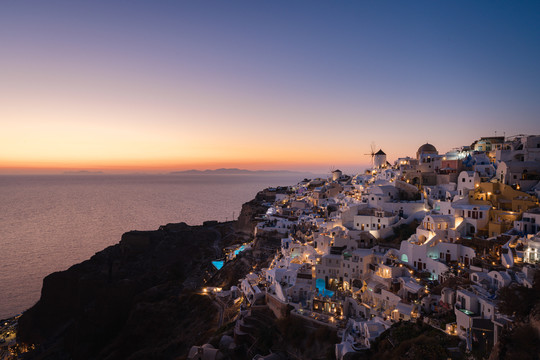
178	85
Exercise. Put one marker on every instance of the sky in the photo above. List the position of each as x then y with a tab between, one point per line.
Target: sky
296	85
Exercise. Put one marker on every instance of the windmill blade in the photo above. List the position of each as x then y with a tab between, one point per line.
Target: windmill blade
372	154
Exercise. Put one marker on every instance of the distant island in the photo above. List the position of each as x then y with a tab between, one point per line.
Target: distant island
220	171
83	172
235	171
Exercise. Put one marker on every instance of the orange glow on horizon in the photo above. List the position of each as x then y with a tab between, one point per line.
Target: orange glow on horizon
121	96
163	166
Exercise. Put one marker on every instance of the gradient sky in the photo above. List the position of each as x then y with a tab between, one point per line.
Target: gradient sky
307	85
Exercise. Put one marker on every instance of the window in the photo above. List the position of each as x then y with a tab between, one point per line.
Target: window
463	180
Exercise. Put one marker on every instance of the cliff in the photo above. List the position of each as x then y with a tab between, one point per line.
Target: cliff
520	339
137	299
250	212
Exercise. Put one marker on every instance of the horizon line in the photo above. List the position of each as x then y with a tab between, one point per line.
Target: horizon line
201	171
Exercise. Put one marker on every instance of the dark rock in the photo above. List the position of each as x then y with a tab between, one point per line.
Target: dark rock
127	299
251	212
136	299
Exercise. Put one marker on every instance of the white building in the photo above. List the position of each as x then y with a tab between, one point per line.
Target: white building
519	148
531	252
529	223
429	250
379	160
467	180
475	217
372	219
524	174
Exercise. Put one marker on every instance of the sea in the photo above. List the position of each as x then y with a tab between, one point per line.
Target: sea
50	222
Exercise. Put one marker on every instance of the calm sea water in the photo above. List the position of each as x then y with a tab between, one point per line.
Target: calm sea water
48	223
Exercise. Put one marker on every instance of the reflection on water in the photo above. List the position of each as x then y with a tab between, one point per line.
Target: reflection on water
48	223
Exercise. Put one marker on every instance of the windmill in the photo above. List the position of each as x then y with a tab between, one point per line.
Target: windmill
373	147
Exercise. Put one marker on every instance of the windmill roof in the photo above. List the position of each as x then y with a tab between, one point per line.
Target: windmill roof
380	152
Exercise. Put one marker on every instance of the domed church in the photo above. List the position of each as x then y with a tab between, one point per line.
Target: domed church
426	149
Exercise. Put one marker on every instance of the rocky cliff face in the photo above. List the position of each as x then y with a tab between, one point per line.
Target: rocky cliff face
131	300
256	258
137	299
250	212
520	339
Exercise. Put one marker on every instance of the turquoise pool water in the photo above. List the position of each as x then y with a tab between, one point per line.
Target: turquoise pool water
467	312
319	283
219	263
239	250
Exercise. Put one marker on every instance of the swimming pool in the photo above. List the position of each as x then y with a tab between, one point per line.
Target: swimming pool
218	264
319	283
239	250
467	312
